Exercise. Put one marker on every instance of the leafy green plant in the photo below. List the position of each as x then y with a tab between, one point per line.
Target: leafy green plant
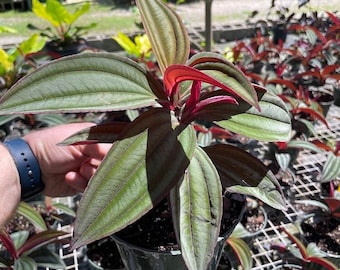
157	154
62	30
139	47
13	62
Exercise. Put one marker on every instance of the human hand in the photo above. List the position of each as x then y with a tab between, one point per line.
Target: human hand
65	170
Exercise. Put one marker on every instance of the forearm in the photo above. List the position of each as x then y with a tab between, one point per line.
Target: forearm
9	186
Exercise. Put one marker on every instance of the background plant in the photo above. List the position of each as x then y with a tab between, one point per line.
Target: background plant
61	20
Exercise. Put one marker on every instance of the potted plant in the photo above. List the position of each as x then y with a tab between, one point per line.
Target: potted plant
156	157
15	62
64	37
25	242
298	256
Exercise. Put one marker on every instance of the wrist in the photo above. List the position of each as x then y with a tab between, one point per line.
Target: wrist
9	186
27	166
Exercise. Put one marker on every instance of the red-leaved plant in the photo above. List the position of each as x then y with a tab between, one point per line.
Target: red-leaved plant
310	258
157	154
27	252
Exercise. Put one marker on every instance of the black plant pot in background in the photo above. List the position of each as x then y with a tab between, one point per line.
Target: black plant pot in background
279	33
56	50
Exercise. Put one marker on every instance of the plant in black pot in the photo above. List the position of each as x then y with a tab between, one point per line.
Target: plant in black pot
295	255
64	37
156	158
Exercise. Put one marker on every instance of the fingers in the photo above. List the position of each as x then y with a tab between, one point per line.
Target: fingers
79	180
96	150
76	181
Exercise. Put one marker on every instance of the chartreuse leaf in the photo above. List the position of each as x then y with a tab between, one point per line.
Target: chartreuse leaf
217	67
240	172
271	123
196	204
81	83
33	44
242	251
166	32
331	169
137	173
25	263
31	215
40	10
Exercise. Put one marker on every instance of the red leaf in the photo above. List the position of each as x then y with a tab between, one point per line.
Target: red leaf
286	83
334	206
329	69
176	74
8	243
334	18
190	114
314	114
194	96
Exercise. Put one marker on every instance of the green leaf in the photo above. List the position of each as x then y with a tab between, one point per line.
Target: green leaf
64	208
331	168
19	238
300	144
283	159
139	171
7	118
166	31
81	83
217	67
242	251
40	239
33	44
31	215
25	263
84	8
196	204
240	172
51	119
271	123
44	257
40	10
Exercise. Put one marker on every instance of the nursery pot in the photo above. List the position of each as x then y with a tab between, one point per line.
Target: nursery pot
136	257
322	231
279	33
56	50
336	96
326	102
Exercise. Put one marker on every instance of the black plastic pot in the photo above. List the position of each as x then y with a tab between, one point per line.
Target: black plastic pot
56	50
279	33
336	96
138	258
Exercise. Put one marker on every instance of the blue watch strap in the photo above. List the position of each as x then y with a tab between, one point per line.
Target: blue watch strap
27	166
